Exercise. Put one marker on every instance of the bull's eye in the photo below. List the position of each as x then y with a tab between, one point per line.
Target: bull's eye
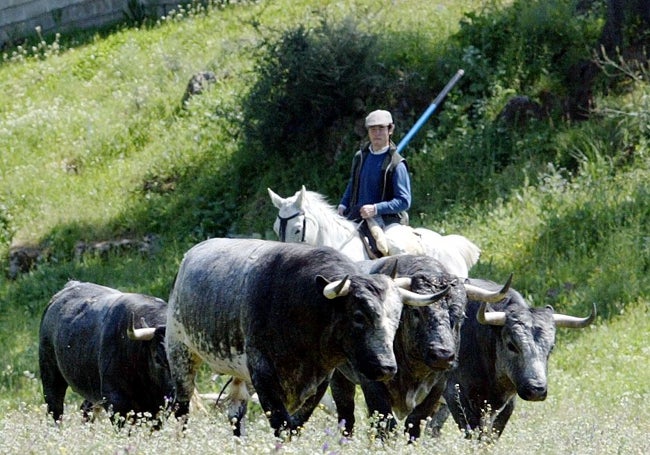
358	318
511	346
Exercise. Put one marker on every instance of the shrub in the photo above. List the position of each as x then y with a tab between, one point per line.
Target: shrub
309	81
528	47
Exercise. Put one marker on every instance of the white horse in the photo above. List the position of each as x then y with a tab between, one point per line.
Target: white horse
307	217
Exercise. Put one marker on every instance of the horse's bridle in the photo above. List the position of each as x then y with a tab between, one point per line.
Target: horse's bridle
283	226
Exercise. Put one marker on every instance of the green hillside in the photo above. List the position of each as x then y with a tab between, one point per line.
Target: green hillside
96	145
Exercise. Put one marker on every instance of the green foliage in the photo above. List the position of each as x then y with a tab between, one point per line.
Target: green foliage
308	81
588	236
528	46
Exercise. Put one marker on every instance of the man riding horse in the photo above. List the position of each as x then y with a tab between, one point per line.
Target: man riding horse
307	217
379	189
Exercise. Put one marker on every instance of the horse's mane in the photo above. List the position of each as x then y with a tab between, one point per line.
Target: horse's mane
454	250
326	213
323	205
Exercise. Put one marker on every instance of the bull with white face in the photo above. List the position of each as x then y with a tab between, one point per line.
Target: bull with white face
280	317
426	347
504	353
87	342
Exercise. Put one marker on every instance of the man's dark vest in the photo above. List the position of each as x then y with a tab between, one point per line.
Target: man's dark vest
388	167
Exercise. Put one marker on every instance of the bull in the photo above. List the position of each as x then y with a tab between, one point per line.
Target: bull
504	351
279	317
87	342
426	345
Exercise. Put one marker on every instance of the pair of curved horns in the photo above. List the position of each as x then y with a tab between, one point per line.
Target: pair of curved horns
341	288
338	288
484	295
498	318
411	298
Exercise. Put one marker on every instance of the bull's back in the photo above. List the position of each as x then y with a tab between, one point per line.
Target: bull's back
67	340
235	276
83	334
71	320
226	285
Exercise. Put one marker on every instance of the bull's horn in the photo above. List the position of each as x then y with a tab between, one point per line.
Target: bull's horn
483	295
497	318
572	322
403	282
139	334
339	288
411	298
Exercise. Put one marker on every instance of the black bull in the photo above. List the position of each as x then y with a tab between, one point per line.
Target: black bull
280	317
503	354
83	344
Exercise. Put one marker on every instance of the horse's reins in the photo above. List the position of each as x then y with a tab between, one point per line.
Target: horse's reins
354	233
283	226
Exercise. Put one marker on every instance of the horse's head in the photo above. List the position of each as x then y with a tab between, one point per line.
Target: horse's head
291	223
307	217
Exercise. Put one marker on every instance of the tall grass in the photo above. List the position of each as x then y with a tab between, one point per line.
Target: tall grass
598	392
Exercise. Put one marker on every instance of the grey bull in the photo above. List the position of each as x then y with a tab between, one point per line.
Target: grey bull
279	317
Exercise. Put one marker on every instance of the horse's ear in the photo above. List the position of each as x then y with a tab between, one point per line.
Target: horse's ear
275	199
302	197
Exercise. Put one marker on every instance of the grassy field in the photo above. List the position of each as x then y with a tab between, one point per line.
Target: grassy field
95	145
597	404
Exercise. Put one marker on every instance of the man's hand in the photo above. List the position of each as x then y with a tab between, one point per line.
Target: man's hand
368	211
341	209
